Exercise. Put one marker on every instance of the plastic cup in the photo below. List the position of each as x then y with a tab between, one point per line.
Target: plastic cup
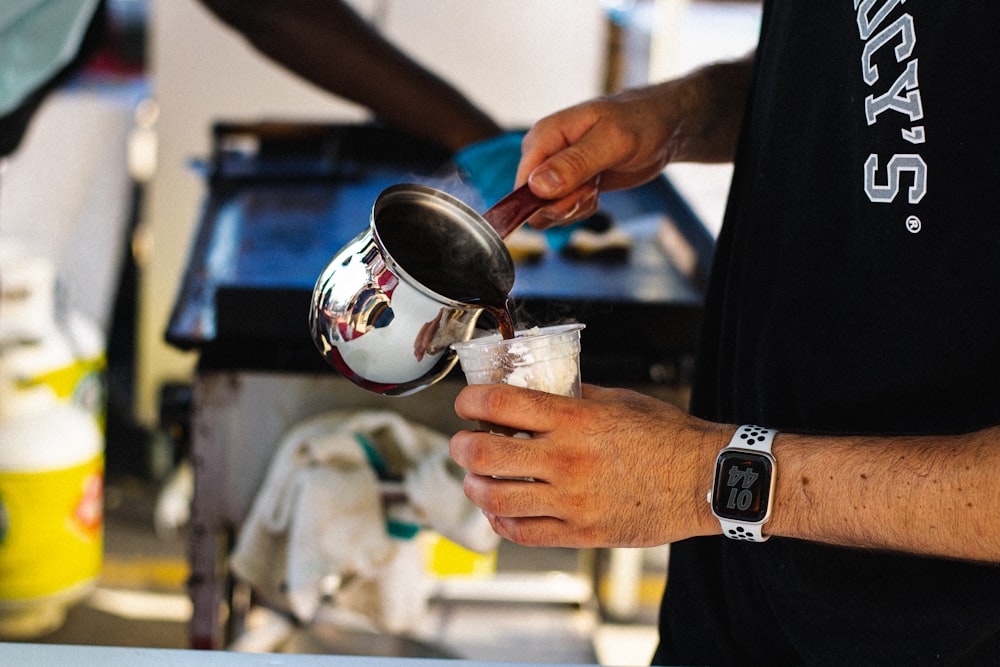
543	358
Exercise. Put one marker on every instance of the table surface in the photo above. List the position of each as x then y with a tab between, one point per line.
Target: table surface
282	202
56	655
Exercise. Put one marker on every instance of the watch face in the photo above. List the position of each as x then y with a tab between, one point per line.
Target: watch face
742	486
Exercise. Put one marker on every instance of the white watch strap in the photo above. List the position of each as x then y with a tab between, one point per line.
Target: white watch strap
752	438
755	438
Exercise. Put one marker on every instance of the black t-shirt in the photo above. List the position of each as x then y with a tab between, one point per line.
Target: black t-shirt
855	289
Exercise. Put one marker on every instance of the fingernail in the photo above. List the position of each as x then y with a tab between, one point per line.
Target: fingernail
546	181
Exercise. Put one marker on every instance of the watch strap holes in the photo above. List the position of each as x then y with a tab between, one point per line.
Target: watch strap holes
753	435
740	533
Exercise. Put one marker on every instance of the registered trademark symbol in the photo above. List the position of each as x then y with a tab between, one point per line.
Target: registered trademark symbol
913	224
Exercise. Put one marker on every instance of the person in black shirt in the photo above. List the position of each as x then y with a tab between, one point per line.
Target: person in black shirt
852	311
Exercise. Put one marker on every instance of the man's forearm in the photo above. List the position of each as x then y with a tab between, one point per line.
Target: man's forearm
715	96
933	495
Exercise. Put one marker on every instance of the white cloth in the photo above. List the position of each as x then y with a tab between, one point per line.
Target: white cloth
318	524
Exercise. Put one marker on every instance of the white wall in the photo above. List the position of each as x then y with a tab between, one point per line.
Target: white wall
65	193
519	59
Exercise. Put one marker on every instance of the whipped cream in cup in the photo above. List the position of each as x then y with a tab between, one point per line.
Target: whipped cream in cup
542	358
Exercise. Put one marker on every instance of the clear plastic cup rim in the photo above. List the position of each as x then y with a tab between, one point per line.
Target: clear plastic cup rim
493	339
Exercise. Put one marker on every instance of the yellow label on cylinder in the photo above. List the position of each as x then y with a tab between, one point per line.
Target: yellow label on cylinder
51	530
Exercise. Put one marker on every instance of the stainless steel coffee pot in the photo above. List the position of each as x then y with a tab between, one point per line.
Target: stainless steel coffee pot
390	303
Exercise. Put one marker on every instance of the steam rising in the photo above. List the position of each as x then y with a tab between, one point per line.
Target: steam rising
460	266
443	245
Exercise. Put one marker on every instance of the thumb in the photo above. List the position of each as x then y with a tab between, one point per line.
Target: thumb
561	152
564	172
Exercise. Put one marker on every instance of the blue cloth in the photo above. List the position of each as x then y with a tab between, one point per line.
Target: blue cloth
491	166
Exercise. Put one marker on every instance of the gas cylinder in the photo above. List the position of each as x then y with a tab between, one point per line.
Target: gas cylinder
51	452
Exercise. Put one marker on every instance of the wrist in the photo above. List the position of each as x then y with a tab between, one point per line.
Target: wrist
709	441
743	487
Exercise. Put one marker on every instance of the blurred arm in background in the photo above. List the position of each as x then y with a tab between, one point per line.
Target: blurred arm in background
327	43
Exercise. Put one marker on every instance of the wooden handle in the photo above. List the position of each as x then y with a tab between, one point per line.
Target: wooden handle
513	210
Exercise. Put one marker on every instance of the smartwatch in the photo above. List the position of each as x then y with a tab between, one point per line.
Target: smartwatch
744	484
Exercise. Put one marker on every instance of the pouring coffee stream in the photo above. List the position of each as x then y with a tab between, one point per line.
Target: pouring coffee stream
505	217
389	304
